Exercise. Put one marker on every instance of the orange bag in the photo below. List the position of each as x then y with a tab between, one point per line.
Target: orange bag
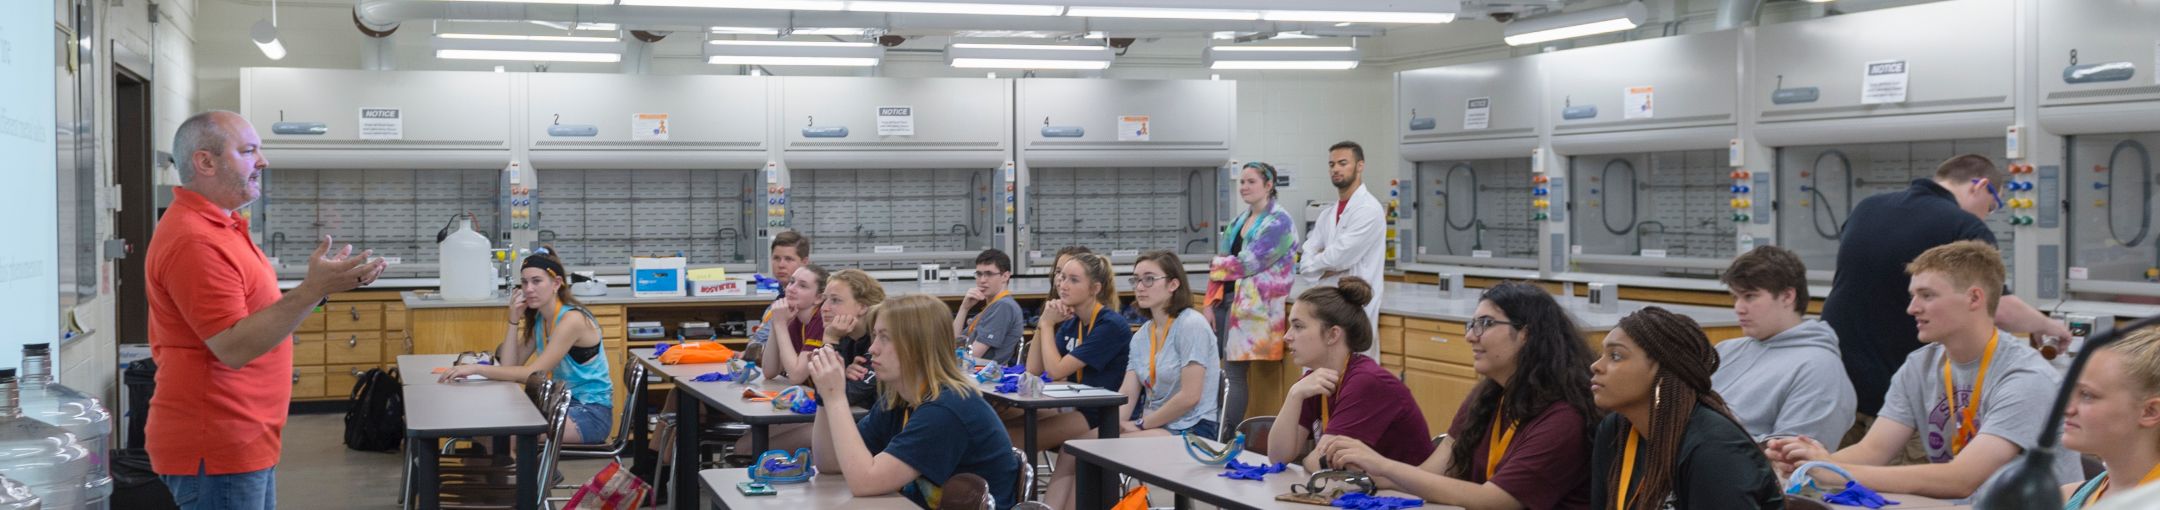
1135	499
691	353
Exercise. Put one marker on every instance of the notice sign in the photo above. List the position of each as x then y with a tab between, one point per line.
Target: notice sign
1132	128
896	121
382	124
1885	82
649	127
1477	113
1639	104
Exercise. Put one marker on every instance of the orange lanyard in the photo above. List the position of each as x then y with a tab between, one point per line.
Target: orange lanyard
1499	445
2151	475
1157	333
1627	469
1966	431
1086	324
986	311
1341	378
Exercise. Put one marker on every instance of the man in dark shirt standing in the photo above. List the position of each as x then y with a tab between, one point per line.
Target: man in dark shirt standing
1885	232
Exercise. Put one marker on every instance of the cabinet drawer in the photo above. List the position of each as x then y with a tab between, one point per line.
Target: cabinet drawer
353	316
603	311
1390	320
1438	393
307	349
394	317
338	379
313	323
608	322
1433	325
396	343
1437	347
353	347
307	382
1391	339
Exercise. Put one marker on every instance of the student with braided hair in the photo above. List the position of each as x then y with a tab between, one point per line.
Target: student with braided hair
1670	442
1345	393
1521	439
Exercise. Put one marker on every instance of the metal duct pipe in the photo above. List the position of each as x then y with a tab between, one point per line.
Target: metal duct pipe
1736	13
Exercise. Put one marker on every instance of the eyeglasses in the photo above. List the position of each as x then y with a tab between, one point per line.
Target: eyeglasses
1141	282
1993	193
1484	322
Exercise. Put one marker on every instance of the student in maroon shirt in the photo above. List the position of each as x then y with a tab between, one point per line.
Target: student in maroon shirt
1533	406
1346	394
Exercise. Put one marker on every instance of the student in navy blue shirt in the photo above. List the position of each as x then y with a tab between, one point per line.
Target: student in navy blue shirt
1087	342
929	423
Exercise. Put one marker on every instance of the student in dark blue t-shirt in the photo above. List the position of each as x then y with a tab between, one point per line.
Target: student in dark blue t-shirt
929	423
1088	343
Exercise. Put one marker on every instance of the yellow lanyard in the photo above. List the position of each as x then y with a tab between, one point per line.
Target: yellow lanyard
986	311
1966	431
1086	324
1157	333
1341	378
1499	444
2151	475
1627	469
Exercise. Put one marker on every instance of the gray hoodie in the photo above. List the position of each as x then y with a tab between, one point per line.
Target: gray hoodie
1793	383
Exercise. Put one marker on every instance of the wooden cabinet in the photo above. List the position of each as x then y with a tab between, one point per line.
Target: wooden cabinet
349	334
307	382
1439	389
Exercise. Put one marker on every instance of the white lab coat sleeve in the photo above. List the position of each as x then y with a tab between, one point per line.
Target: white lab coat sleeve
1359	230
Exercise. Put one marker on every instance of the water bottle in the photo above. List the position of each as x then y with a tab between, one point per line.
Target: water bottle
41	456
71	410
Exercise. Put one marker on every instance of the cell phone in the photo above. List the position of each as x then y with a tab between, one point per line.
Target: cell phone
756	489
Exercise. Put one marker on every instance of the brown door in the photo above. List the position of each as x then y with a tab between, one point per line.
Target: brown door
135	169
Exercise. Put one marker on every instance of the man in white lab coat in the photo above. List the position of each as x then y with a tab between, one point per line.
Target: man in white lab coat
1350	238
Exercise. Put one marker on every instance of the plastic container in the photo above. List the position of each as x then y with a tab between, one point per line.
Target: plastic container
16	496
466	273
40	455
79	414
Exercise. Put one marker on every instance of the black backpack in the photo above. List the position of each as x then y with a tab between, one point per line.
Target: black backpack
375	415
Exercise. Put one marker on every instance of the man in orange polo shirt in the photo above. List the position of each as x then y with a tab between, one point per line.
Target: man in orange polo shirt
220	330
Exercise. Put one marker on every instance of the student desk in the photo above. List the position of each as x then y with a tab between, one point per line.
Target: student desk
692	397
435	411
1910	502
824	491
420	368
1105	407
1161	461
641	416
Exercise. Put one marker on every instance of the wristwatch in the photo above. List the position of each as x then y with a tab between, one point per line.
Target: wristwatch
1140	424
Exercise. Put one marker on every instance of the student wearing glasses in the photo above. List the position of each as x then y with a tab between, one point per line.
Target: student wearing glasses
993	333
1171	389
1866	305
1522	438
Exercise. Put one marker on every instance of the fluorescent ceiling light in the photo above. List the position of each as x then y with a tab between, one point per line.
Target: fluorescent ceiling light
1027	56
956	8
1568	25
1359	16
610	27
548	56
777	5
837	31
1282	57
745	31
265	36
575	2
500	37
793	53
1161	13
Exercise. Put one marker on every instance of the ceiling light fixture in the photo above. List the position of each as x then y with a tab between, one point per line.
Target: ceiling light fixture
1359	16
995	9
793	53
745	31
776	5
500	37
1569	25
264	33
1334	58
541	56
1028	56
1161	13
527	48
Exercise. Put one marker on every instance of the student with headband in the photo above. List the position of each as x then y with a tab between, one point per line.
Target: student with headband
1254	268
1170	382
928	423
1345	393
1081	338
1670	441
1974	396
2115	415
570	350
1522	439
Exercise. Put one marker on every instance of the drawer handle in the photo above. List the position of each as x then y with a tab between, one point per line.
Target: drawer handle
408	342
1440	339
352	341
355	372
296	378
355	311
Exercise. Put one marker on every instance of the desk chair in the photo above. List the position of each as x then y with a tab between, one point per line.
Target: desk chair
492	487
966	491
634	379
1026	480
1256	431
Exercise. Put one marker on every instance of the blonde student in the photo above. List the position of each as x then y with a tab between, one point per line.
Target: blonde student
1081	338
1522	438
2114	414
1975	397
1172	388
928	424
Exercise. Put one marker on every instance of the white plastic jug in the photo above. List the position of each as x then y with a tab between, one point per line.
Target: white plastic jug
466	273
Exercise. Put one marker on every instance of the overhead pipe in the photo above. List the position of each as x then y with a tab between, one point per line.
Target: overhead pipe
1736	13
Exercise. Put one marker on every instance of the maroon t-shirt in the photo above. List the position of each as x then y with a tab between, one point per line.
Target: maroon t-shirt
1374	407
1547	465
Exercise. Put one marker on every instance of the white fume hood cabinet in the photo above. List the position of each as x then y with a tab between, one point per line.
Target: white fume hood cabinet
1841	146
1468	132
1124	167
2097	89
1645	127
889	173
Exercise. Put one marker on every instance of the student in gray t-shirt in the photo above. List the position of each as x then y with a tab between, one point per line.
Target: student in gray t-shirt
1999	398
995	333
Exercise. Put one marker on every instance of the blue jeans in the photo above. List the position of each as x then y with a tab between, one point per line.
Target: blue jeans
238	491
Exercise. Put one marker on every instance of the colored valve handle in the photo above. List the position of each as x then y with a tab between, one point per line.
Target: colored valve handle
1739	217
1539	217
1742	203
1740	188
1540	203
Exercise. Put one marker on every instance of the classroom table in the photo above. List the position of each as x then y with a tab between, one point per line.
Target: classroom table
435	411
824	491
1161	461
1105	407
420	368
641	416
1911	502
691	398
